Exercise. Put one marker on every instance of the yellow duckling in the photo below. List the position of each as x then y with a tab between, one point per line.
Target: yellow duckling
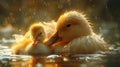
32	42
36	47
75	35
37	35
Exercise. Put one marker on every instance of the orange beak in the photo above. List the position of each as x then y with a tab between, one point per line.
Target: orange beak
35	42
55	38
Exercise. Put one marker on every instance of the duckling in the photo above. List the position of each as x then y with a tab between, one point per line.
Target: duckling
37	35
75	35
32	42
36	47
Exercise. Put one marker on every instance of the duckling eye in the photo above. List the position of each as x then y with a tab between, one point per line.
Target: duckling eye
68	25
40	33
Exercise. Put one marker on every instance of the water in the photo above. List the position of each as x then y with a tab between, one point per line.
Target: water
7	59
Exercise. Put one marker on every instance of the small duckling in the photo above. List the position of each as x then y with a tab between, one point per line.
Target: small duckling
38	35
32	42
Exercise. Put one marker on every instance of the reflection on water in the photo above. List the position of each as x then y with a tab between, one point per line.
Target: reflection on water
7	59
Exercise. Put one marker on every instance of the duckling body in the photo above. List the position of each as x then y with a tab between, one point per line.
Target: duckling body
81	45
39	50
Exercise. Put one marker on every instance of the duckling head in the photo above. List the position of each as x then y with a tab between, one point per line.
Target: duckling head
71	25
37	33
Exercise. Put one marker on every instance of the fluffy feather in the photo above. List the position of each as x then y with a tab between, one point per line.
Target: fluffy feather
75	35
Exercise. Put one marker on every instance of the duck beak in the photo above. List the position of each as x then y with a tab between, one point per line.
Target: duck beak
55	38
35	42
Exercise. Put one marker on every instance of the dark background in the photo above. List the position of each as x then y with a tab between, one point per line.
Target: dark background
17	15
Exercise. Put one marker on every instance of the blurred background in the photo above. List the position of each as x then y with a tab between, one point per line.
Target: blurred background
17	15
